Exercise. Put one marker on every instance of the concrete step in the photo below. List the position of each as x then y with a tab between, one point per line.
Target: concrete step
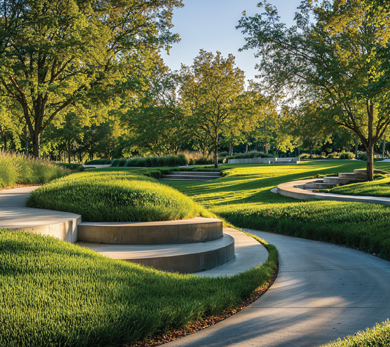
249	254
195	173
182	258
337	180
152	233
352	175
321	185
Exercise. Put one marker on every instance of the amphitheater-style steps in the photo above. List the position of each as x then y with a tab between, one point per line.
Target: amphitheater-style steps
183	258
184	246
190	176
151	233
342	178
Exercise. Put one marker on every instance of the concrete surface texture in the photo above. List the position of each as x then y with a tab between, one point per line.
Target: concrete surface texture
14	215
322	292
149	233
295	190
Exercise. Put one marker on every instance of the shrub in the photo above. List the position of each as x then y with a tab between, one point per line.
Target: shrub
115	163
18	169
170	160
99	162
71	166
118	196
191	161
347	155
204	161
332	156
363	156
223	154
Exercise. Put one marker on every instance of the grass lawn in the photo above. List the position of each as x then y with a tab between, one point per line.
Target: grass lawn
93	299
244	199
379	187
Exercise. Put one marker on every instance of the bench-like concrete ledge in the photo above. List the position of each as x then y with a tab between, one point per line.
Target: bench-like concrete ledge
152	233
183	258
295	190
61	225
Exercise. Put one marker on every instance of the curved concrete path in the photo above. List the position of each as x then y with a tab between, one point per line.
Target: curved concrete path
15	215
295	190
322	292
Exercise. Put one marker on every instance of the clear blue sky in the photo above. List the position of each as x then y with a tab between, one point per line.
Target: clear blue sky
210	25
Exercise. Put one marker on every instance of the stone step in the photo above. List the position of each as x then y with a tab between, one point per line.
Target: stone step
352	175
152	233
195	173
321	185
337	180
182	258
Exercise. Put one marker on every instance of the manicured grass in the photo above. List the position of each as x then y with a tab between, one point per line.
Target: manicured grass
378	336
18	169
55	293
379	187
243	198
123	196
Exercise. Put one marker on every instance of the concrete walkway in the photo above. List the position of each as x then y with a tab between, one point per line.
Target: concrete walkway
15	215
295	190
322	292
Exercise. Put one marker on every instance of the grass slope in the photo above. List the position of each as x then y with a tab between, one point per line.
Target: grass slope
55	293
123	196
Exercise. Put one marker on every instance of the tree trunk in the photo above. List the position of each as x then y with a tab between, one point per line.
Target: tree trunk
36	140
370	163
231	149
26	140
370	144
383	147
356	147
216	152
311	152
246	148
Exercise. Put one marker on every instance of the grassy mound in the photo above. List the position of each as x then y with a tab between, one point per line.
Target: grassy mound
18	169
380	187
121	196
55	293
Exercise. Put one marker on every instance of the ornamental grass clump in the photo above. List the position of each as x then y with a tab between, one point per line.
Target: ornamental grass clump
118	196
16	168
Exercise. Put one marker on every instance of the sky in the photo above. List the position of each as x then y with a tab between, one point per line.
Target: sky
210	25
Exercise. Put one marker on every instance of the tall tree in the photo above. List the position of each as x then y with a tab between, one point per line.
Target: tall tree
214	98
332	56
58	56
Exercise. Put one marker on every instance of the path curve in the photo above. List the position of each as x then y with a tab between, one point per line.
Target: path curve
322	292
295	190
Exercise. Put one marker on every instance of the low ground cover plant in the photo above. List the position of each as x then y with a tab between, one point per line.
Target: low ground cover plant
347	155
55	293
118	196
18	169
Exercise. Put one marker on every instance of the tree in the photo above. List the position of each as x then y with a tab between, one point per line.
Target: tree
215	100
74	56
331	57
